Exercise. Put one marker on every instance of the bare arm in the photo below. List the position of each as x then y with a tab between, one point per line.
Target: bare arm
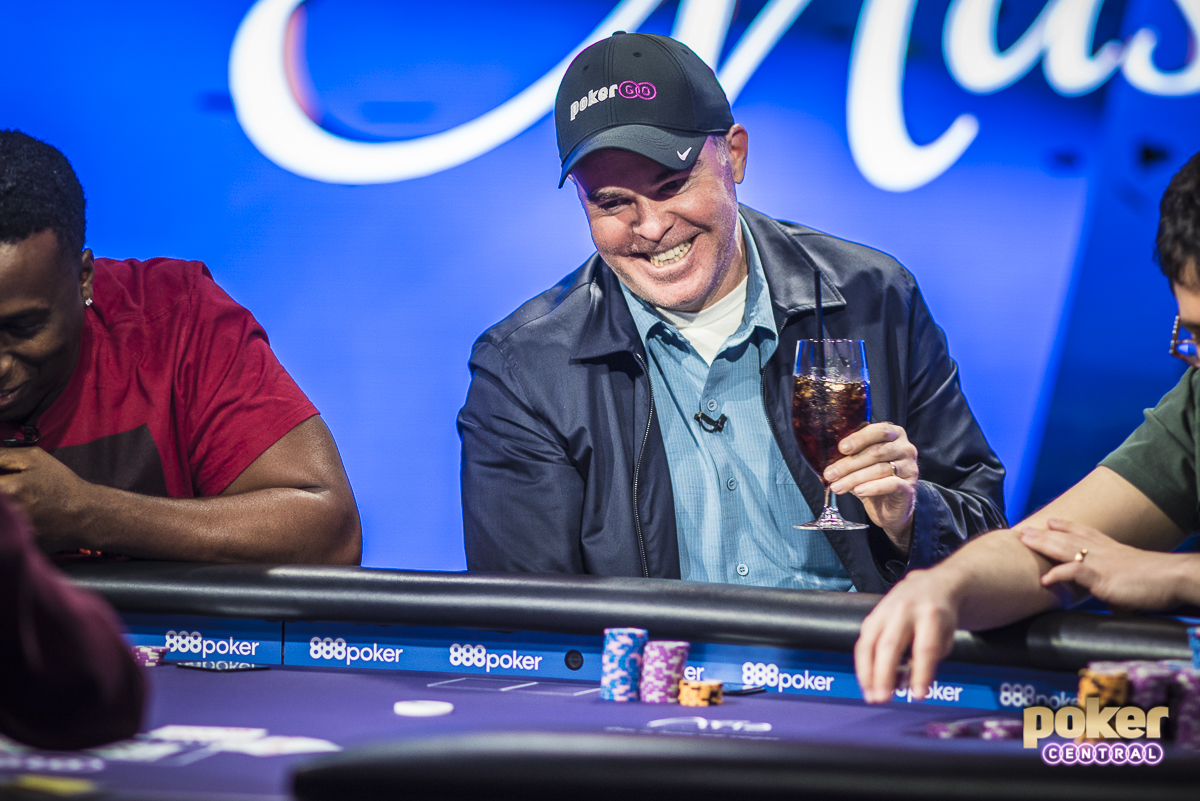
292	504
992	581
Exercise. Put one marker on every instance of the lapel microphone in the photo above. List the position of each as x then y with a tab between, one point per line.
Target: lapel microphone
710	425
29	436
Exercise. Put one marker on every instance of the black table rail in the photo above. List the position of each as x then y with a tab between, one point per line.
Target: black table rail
592	767
717	613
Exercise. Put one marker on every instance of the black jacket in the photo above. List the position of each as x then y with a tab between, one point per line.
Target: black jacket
563	466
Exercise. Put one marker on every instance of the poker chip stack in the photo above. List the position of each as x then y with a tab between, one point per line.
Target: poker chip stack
700	693
621	663
1194	642
149	655
1186	711
1107	681
662	668
1001	729
952	729
1150	683
983	728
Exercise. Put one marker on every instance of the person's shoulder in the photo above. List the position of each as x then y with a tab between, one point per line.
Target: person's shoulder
553	318
841	259
149	289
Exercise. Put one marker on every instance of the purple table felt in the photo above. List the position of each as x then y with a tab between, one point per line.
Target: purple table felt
353	708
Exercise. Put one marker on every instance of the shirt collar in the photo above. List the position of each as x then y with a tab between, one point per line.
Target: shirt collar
758	303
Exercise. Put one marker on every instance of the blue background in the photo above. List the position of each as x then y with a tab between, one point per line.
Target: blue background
1033	250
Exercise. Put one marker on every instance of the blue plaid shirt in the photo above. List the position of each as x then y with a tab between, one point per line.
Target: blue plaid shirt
735	501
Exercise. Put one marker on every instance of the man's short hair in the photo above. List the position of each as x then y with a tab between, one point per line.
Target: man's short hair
39	190
1178	243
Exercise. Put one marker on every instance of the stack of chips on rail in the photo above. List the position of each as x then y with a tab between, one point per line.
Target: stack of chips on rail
149	655
700	693
1169	682
663	662
621	664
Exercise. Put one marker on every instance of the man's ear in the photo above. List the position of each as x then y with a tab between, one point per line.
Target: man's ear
736	139
87	273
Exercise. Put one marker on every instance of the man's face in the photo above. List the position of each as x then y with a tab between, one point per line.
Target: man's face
671	236
41	316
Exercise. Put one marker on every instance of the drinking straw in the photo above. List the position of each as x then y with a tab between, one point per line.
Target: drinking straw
820	321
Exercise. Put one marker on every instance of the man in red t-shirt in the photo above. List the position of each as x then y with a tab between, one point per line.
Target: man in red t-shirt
142	411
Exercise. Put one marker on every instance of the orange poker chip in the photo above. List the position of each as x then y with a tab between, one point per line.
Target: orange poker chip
701	693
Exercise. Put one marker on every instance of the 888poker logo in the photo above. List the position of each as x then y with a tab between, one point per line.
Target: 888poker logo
479	656
183	643
769	675
336	648
201	638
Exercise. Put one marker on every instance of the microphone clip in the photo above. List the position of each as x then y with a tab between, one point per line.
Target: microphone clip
29	436
710	425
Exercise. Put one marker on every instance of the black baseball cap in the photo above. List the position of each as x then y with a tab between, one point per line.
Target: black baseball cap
640	92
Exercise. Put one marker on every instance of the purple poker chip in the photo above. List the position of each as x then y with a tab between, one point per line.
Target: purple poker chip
1185	712
149	655
950	729
1149	683
1001	729
663	662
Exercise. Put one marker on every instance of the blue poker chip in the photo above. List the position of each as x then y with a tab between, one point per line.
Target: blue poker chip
620	663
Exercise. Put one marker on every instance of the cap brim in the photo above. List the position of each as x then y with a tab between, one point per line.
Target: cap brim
668	148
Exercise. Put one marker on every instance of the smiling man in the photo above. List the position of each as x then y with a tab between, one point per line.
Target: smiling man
142	411
635	420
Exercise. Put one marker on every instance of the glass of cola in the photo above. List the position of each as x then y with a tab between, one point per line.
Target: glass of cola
831	400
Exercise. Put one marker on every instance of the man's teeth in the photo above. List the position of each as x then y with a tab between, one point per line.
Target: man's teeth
671	256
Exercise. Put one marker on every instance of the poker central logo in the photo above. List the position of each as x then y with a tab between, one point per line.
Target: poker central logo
329	648
769	675
1094	725
479	656
193	642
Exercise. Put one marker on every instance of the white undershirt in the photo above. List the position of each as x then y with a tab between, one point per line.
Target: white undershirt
708	328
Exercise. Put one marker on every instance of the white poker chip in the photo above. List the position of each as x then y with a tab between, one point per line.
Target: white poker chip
422	709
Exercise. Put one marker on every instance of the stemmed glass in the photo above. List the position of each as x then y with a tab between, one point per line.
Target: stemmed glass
831	400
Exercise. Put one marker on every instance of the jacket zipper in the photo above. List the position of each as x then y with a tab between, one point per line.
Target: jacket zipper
762	389
637	468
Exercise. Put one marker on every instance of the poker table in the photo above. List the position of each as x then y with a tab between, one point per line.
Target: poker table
517	658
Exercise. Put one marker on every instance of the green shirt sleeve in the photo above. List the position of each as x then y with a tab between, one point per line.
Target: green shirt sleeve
1159	457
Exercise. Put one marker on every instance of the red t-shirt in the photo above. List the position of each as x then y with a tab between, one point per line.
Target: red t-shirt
176	391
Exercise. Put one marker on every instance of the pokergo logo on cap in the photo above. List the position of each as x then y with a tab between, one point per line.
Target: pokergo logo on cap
765	675
479	656
193	642
329	648
630	90
1095	724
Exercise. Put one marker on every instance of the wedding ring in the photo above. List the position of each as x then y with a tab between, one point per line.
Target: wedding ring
895	472
1082	553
